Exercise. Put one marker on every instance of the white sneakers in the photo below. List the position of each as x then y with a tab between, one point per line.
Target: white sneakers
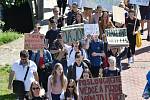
131	60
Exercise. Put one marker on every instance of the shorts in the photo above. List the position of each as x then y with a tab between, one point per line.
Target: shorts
145	12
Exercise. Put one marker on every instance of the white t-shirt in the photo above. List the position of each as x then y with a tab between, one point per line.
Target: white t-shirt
71	56
20	72
79	71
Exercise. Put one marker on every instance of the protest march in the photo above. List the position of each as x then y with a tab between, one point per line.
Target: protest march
80	56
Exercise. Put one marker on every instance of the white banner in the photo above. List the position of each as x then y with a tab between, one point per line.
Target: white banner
107	4
118	14
140	2
92	29
117	37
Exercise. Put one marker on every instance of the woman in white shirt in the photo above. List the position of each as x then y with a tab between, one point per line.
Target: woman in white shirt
57	82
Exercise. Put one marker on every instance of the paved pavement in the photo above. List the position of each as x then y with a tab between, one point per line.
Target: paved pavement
133	76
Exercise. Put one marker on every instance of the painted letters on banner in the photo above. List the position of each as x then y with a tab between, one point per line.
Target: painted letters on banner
140	2
117	36
118	14
72	34
34	41
107	4
92	29
108	88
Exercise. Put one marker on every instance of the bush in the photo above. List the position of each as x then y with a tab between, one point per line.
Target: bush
6	37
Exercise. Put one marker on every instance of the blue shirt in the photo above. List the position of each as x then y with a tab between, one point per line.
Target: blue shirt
97	47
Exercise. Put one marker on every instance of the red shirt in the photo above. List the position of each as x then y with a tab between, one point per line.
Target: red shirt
41	62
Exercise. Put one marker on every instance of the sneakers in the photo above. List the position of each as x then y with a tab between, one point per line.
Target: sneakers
141	31
130	60
148	38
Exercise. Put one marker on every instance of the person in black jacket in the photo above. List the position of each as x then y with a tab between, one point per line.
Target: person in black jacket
78	67
71	17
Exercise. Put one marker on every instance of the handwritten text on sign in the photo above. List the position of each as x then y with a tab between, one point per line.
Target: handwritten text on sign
72	34
117	36
109	88
34	41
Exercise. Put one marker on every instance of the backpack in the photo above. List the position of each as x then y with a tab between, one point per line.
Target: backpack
138	40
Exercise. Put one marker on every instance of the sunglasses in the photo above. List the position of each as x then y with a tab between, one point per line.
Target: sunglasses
36	88
23	59
70	86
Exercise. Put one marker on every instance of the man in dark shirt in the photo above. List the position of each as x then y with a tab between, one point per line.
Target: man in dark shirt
52	34
71	17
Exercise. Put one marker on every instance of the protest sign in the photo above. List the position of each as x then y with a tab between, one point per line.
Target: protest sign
117	36
118	14
106	88
107	4
74	25
34	41
72	34
92	29
140	2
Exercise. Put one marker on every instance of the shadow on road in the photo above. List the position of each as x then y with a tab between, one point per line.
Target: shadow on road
142	50
8	97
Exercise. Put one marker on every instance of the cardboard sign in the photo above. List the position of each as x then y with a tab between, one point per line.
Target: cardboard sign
107	4
109	88
117	36
34	41
72	34
118	14
140	2
92	29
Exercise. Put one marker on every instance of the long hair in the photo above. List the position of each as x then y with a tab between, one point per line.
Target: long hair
54	76
74	93
103	25
31	95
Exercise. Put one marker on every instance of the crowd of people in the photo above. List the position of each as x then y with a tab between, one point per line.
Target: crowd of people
55	70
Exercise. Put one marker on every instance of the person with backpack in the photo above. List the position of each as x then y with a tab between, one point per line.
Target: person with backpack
75	71
76	47
24	71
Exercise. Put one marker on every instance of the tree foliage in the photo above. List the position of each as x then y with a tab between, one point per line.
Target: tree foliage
9	3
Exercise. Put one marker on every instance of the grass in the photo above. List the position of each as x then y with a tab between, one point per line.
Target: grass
6	37
5	94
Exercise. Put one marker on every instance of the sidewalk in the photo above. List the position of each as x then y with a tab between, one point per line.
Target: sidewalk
133	77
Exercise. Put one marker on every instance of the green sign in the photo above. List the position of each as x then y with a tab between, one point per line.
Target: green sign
72	34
